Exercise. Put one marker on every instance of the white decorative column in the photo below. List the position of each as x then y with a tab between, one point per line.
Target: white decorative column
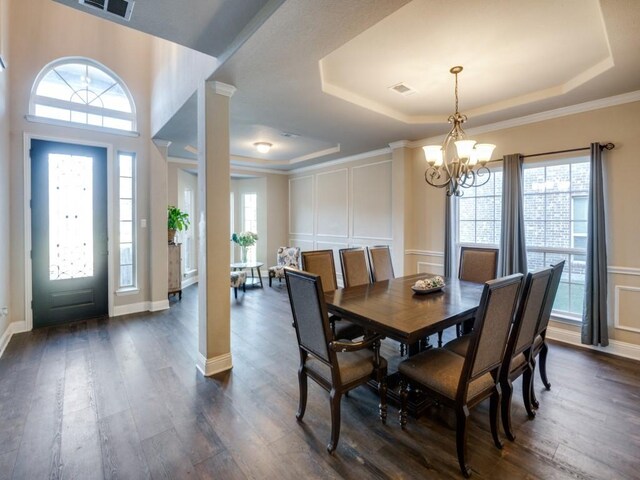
214	317
401	191
158	251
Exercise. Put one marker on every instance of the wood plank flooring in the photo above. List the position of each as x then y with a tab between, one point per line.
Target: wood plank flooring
121	398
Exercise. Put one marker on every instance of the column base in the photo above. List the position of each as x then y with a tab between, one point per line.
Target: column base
211	366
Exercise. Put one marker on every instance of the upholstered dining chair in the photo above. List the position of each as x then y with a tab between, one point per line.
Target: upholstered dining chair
463	382
337	366
477	265
539	343
355	268
380	262
320	262
285	257
517	358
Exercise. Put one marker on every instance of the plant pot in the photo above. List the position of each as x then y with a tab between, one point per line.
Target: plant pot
172	236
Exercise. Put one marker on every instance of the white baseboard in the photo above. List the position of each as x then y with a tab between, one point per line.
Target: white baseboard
130	308
12	329
211	366
140	307
189	281
616	347
159	305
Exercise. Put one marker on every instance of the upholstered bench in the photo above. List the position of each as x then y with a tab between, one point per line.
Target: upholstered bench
238	279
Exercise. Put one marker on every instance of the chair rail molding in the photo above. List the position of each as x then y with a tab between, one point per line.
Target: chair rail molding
623	270
425	253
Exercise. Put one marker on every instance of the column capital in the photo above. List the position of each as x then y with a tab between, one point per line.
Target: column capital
223	88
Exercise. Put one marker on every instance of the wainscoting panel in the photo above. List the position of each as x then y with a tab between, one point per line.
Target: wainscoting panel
301	205
626	308
305	245
372	201
332	203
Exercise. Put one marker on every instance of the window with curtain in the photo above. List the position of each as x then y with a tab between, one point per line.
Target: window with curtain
555	212
81	91
126	220
480	213
250	220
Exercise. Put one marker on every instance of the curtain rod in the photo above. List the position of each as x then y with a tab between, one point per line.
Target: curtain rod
606	146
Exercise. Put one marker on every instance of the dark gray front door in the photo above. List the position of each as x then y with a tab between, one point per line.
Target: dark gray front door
68	232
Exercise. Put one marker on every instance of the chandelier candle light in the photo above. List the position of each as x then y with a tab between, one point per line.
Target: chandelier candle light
458	163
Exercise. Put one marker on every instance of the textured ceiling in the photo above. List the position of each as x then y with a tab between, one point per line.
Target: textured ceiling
520	58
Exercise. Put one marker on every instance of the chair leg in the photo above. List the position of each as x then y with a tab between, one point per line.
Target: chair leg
440	339
302	405
507	394
404	395
527	388
244	287
270	278
382	390
494	405
462	417
403	349
334	399
532	390
543	365
235	292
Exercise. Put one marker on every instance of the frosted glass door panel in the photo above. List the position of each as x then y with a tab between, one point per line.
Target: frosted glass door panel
70	216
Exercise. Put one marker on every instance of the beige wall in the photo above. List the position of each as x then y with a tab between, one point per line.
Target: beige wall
5	291
176	72
346	205
620	125
43	31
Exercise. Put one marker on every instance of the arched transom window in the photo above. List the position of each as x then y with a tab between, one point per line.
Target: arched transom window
81	91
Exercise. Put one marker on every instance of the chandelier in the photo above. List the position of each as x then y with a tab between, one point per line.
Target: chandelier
458	163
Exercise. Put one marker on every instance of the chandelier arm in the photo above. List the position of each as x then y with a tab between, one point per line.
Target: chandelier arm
481	172
433	174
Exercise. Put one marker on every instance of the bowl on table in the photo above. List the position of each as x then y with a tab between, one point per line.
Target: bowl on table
428	285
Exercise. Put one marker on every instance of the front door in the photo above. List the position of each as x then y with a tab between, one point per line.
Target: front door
68	232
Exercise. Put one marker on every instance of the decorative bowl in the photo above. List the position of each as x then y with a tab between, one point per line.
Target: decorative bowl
423	291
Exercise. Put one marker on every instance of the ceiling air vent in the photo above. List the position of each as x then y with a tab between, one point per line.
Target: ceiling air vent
403	89
121	8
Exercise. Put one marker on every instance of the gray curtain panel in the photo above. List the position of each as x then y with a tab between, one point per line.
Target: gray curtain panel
594	317
450	254
513	252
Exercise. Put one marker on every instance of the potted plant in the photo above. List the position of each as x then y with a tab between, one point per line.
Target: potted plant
177	220
244	240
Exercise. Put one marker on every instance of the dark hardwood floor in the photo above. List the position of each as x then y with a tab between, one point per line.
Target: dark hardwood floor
121	398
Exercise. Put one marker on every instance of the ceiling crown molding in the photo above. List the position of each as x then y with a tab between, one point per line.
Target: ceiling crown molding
541	117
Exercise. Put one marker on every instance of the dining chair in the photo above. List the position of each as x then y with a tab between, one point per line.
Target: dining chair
539	343
463	382
517	358
355	268
337	366
477	265
320	262
380	262
285	257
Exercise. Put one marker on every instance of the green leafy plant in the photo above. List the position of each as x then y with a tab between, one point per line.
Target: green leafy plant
177	219
245	239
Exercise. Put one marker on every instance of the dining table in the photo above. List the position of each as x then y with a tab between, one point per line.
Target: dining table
392	309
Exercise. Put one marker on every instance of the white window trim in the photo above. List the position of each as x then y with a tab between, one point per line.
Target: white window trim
37	99
134	288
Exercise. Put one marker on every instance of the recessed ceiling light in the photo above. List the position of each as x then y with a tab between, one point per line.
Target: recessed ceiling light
263	147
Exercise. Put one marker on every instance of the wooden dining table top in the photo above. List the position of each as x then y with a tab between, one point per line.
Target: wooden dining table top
392	309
